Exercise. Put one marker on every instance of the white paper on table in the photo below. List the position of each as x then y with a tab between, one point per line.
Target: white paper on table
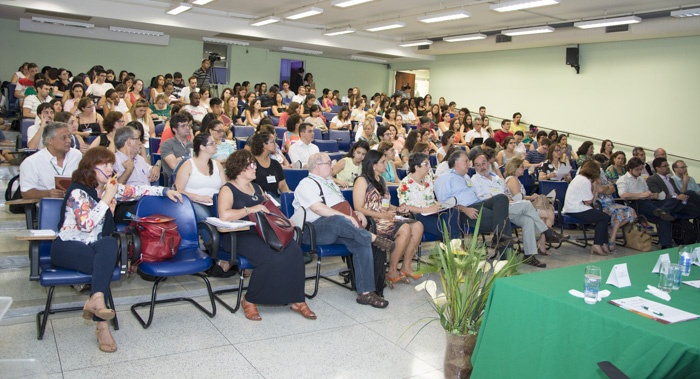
42	232
228	224
619	276
662	258
692	283
658	293
653	310
274	201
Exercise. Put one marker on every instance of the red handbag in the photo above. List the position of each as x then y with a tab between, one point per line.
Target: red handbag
158	236
273	227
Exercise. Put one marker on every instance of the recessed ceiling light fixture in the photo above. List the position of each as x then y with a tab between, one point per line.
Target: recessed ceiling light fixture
517	5
304	12
135	31
607	22
686	12
444	16
385	26
338	32
225	41
177	9
421	42
465	37
265	21
201	2
526	31
301	51
348	3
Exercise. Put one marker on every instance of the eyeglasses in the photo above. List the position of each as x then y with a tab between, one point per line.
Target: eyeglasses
681	166
253	165
269	142
217	130
210	143
425	164
322	163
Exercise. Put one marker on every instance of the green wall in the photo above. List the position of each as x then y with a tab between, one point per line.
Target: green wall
635	92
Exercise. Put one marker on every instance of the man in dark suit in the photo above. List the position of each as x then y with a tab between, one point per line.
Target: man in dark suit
687	203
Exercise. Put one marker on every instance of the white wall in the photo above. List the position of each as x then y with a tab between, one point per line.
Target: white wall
634	92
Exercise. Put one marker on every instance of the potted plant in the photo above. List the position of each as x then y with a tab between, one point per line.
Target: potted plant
466	275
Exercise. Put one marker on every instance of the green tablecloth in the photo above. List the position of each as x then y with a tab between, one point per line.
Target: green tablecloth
533	328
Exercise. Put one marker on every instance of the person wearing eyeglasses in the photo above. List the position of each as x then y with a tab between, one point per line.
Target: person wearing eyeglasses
100	87
684	181
304	148
269	175
57	158
177	148
687	202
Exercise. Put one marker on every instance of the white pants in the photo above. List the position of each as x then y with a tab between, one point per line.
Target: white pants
524	215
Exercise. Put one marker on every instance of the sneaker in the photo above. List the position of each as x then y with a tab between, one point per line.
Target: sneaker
532	261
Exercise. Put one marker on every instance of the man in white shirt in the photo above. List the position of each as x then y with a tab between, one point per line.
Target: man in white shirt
31	102
99	88
477	132
682	179
521	213
301	97
185	92
38	171
35	132
286	92
632	187
304	148
197	111
314	197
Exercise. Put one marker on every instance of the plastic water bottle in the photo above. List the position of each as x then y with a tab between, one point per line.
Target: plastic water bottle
685	261
133	217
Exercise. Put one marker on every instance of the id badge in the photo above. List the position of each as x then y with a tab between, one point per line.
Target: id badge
271	179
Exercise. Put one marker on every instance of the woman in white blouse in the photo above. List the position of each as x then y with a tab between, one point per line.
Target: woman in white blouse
580	196
341	121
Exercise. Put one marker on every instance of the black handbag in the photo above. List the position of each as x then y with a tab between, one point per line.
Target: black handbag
273	227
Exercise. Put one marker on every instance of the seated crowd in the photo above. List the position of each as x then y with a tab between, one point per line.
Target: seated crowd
395	140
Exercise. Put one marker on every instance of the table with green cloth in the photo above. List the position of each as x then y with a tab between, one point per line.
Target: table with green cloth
533	327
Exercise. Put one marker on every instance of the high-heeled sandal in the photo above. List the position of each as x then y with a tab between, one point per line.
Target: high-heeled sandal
250	310
542	252
391	281
107	347
595	252
413	276
612	246
303	309
91	308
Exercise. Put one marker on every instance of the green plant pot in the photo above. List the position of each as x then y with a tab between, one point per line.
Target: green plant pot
458	355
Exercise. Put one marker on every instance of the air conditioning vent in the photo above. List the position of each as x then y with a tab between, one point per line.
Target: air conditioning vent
617	29
500	38
423	47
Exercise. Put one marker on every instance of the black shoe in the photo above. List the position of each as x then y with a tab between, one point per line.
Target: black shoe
503	241
662	214
554	237
532	261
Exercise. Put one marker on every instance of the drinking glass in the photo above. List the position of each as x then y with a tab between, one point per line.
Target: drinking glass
591	284
665	277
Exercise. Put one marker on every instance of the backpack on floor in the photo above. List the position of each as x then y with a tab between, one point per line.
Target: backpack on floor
684	232
14	195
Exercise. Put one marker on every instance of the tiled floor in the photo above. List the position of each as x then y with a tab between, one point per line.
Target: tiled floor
347	341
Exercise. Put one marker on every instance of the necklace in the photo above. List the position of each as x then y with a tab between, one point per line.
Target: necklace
253	196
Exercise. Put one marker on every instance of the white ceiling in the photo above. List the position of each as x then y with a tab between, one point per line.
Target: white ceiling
234	16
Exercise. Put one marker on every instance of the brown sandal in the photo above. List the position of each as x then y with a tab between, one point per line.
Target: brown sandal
303	309
250	310
371	298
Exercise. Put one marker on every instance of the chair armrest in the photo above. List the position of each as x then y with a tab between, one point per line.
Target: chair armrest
312	234
371	224
133	238
213	245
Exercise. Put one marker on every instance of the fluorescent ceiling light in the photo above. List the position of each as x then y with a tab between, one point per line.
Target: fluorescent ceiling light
347	3
135	31
46	20
301	51
367	59
385	26
444	16
177	9
526	31
341	31
201	2
607	22
304	12
265	21
420	42
521	4
465	37
686	13
225	41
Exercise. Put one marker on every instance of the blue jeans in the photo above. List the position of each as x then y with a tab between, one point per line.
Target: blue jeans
201	212
339	230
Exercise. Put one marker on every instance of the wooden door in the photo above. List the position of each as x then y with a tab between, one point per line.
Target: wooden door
403	78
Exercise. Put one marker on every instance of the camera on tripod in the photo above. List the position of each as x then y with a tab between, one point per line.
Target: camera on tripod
214	57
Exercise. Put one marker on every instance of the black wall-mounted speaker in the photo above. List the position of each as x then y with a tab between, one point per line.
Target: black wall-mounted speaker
572	56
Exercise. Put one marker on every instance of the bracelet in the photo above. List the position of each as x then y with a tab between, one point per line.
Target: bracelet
245	209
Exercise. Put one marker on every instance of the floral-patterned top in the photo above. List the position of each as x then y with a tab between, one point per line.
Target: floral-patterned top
613	174
84	216
415	194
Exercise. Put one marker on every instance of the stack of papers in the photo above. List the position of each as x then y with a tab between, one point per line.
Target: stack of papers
653	310
449	203
42	233
238	224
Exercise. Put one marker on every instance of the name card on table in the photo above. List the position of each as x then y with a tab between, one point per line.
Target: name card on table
619	277
662	258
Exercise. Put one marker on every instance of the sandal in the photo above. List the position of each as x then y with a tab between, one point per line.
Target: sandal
612	246
250	310
542	252
105	341
303	309
596	252
413	276
371	298
384	244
